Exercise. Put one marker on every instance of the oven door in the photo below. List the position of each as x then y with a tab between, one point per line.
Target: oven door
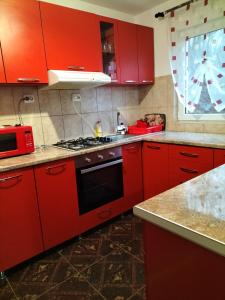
99	184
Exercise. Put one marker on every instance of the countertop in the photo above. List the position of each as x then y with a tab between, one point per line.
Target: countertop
50	153
194	210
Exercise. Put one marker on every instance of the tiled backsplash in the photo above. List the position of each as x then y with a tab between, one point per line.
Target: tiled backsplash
53	116
160	98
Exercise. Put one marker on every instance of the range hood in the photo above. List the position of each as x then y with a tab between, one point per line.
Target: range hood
64	80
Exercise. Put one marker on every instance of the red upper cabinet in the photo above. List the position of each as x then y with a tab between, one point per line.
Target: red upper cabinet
145	54
22	42
20	233
72	38
2	72
57	198
128	52
109	44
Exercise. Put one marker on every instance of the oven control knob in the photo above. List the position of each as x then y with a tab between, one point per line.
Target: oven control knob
87	159
100	156
112	154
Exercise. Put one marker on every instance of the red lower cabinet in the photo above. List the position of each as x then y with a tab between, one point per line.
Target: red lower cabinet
155	168
219	157
20	234
187	162
57	198
132	175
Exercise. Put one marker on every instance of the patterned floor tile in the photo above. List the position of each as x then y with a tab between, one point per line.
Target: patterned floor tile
76	288
6	292
83	253
117	276
136	248
33	279
140	295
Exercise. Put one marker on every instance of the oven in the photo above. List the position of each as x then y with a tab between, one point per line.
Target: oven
99	178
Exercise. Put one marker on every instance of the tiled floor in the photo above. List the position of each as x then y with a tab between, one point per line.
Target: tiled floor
106	263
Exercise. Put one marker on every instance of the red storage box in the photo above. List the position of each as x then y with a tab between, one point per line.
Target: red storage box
141	130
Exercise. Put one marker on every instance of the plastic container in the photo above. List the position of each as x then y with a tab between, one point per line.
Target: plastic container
144	130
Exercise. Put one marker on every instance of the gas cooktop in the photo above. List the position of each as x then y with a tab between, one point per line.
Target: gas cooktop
82	143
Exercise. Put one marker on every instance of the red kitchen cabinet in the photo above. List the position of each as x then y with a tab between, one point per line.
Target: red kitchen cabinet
132	174
100	215
187	162
2	72
155	168
219	157
145	54
57	198
109	44
22	42
128	52
72	38
20	233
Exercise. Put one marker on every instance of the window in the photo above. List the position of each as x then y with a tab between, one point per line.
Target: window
204	77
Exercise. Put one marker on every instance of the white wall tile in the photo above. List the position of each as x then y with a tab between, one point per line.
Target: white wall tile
36	124
104	99
88	100
7	109
73	126
68	107
53	129
50	104
89	122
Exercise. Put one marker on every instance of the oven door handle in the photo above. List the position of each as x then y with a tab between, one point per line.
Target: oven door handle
102	166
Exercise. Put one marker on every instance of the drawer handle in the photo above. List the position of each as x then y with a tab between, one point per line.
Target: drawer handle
130	81
49	169
80	68
154	147
147	81
189	154
132	149
10	178
28	79
191	171
104	214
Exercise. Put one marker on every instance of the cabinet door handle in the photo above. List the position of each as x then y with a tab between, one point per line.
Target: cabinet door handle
79	68
10	178
189	154
153	147
191	171
132	149
104	214
114	80
61	166
28	80
130	81
147	81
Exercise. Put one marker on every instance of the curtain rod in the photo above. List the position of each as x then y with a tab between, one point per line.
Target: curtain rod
162	14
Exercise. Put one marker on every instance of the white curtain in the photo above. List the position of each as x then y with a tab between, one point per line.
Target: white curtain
197	58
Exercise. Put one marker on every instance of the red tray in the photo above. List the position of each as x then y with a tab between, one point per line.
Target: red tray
141	130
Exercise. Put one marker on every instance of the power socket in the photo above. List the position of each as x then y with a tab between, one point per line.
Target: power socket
28	98
75	97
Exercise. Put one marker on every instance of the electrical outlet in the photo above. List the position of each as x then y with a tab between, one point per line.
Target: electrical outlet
28	98
75	97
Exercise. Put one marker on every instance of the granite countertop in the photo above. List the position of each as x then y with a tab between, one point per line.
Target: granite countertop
50	153
194	210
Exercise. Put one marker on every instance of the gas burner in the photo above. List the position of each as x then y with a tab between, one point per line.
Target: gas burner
81	143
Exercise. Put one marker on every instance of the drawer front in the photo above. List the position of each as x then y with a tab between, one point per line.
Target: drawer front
219	157
181	171
100	215
196	155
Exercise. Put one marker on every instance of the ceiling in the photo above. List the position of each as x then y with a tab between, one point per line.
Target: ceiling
133	7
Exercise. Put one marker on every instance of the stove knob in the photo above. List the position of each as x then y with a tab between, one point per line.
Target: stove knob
100	156
112	154
87	159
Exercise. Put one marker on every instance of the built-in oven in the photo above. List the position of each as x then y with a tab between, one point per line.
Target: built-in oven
99	178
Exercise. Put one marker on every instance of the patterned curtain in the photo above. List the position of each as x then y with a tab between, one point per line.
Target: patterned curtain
197	37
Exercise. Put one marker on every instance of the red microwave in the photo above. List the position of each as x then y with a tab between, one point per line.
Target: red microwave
16	140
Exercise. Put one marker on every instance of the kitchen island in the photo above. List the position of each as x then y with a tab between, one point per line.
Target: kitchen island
184	234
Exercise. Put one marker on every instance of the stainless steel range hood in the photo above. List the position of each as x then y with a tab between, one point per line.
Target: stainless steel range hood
64	80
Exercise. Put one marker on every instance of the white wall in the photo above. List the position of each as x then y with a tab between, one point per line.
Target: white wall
99	10
147	18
